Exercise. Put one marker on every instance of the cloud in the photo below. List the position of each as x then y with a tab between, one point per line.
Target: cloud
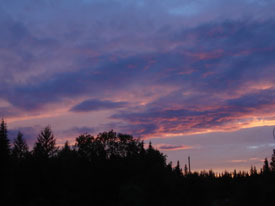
183	119
82	130
169	147
238	161
260	146
167	68
172	71
95	105
254	160
9	112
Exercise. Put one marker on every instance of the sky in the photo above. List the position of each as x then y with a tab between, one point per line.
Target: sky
193	77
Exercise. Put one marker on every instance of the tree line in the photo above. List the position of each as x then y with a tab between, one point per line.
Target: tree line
116	169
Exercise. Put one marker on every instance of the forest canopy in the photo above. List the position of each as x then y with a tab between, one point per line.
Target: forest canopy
117	169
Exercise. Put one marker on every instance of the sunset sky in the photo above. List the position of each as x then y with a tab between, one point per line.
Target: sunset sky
195	77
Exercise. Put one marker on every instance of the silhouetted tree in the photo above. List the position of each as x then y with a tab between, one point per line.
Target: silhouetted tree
4	142
142	151
185	170
154	157
235	174
66	149
85	146
20	147
177	169
119	145
45	145
110	142
67	154
272	163
150	147
211	173
266	168
253	170
169	166
127	145
115	145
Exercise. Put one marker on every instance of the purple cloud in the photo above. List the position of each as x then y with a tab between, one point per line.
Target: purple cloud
76	131
172	70
95	105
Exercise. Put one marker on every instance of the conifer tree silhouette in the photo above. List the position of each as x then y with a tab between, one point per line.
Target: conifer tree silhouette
4	143
67	154
177	169
185	169
66	149
45	145
266	168
272	163
253	170
20	148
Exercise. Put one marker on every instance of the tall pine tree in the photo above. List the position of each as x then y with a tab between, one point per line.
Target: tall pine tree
178	170
44	147
186	170
20	147
272	163
4	143
266	168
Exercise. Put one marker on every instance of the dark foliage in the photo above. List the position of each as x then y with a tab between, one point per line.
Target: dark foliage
4	143
116	169
44	147
20	148
272	163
